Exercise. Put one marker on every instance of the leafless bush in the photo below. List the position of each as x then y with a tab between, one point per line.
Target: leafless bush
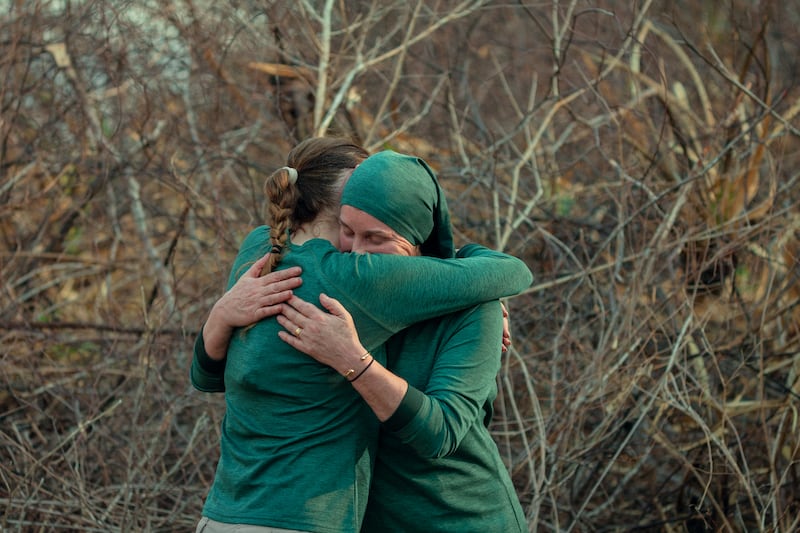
641	159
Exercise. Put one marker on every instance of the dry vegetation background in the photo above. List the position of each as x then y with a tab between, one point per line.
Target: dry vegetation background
641	156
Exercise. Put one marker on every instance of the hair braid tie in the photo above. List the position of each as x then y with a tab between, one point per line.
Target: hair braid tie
292	174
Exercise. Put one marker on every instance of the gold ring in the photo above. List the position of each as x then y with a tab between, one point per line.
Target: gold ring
297	331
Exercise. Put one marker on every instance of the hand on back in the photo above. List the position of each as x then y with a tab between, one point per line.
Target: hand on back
329	337
253	297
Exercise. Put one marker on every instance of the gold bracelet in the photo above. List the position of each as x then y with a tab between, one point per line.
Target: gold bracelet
362	372
352	371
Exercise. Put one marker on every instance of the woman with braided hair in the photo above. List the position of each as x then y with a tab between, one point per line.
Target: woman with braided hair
297	442
311	207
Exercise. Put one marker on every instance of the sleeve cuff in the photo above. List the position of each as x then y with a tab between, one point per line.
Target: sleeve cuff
406	411
466	251
206	374
212	366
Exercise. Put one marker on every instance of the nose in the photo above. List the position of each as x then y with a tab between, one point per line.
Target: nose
359	246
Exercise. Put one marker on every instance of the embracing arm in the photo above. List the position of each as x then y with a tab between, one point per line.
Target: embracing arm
408	290
331	339
457	392
387	293
431	422
250	299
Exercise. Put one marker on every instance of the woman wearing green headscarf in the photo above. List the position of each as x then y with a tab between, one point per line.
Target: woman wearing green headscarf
437	467
297	442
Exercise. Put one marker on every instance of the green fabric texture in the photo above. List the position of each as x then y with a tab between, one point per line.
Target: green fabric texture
438	468
402	192
297	442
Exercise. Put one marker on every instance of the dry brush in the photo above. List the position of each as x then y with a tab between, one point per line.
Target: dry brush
640	156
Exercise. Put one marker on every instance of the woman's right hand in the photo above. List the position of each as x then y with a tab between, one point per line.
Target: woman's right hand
250	299
255	297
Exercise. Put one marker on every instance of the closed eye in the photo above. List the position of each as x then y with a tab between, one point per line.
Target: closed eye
377	239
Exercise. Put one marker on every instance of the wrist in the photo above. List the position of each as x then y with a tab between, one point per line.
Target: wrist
218	316
216	335
359	367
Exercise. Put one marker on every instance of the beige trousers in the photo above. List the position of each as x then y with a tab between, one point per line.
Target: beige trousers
206	525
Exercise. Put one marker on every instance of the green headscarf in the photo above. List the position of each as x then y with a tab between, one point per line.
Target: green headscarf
402	192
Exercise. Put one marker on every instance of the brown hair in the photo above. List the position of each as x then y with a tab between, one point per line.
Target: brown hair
321	163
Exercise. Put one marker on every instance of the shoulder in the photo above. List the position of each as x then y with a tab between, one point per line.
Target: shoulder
256	236
254	245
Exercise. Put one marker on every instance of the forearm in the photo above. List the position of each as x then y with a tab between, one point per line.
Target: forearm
216	334
381	389
387	293
457	392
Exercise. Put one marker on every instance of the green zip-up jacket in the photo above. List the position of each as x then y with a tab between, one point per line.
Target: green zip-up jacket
297	442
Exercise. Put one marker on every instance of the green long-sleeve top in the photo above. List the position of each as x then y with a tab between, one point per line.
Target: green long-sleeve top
297	442
437	468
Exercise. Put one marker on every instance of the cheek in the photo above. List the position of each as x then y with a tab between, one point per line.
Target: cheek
403	247
394	248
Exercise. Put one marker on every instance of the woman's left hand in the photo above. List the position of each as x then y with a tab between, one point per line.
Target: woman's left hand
330	338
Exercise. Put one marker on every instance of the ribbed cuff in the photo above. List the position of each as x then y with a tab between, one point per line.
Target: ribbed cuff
406	411
212	366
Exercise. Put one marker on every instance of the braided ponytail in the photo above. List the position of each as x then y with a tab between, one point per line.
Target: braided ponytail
282	195
311	183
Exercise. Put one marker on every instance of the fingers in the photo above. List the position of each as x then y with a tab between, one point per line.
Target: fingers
286	273
304	308
332	305
288	324
277	298
296	342
262	261
255	270
281	275
281	286
291	340
276	287
299	312
293	330
277	280
284	321
268	310
506	329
